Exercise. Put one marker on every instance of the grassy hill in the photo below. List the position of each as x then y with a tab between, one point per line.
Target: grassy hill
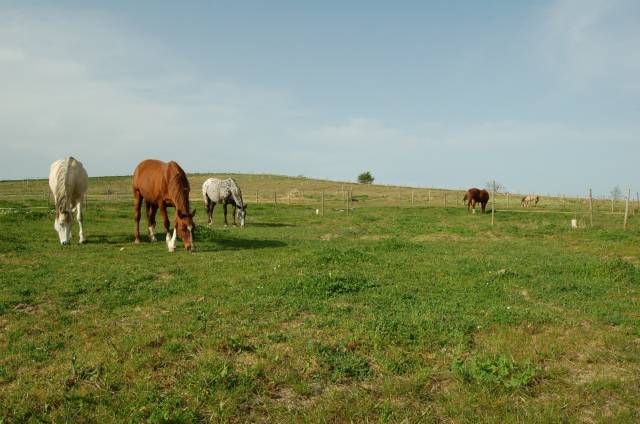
409	314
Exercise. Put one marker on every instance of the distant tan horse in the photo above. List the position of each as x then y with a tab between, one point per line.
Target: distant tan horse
474	196
529	200
163	185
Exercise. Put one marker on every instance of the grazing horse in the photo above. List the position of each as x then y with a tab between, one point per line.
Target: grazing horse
226	192
68	183
163	185
529	200
474	196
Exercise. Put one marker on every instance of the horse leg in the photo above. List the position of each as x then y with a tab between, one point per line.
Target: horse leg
235	209
137	203
151	219
209	210
171	240
165	219
213	205
224	206
483	205
79	216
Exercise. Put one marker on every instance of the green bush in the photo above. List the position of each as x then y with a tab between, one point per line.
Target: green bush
365	178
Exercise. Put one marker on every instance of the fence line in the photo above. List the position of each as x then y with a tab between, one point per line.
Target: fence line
348	198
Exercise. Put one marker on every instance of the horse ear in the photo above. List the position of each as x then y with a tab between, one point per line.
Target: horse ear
193	212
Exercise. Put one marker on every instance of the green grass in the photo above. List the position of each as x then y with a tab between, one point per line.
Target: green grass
387	314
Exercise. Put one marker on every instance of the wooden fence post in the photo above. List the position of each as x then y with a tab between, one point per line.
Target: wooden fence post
322	202
626	210
590	208
348	201
493	202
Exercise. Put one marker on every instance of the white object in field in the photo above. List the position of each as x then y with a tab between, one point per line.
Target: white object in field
317	211
574	223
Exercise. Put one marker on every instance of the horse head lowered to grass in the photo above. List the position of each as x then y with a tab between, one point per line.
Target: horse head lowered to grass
474	196
163	185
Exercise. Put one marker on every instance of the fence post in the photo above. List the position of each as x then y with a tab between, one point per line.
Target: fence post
348	200
493	202
611	204
256	196
275	199
626	210
590	208
322	202
508	200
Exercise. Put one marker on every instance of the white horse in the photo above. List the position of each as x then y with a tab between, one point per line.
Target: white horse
226	192
68	183
529	200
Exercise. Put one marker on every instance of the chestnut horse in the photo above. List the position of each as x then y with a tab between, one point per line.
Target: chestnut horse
474	196
163	185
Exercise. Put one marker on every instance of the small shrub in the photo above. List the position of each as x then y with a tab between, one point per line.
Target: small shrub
365	178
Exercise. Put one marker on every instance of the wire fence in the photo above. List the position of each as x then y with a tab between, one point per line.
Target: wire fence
346	198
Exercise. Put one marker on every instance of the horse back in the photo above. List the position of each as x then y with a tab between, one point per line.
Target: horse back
69	180
149	179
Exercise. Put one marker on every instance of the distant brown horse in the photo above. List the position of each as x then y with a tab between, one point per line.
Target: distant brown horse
474	196
163	185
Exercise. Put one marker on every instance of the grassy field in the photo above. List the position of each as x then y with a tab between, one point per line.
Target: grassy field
389	314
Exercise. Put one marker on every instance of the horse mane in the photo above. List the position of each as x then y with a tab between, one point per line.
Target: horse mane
236	193
62	177
178	187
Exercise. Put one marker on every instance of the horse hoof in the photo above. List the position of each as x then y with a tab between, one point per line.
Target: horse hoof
136	241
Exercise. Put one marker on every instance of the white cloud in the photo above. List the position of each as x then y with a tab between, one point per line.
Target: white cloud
78	84
589	43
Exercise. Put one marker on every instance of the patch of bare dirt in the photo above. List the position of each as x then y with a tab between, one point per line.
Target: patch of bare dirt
439	237
27	308
375	237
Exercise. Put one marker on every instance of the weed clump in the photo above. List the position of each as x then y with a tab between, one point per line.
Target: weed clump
495	372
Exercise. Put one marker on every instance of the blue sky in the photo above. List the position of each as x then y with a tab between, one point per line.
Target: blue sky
542	96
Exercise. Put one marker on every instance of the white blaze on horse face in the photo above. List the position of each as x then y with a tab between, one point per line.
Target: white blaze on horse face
171	242
63	227
193	246
241	214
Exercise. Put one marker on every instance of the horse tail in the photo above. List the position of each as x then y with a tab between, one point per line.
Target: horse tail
205	196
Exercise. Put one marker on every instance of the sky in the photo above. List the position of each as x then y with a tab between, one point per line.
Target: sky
543	96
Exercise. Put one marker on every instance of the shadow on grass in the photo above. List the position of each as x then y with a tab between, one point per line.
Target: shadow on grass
113	239
269	224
